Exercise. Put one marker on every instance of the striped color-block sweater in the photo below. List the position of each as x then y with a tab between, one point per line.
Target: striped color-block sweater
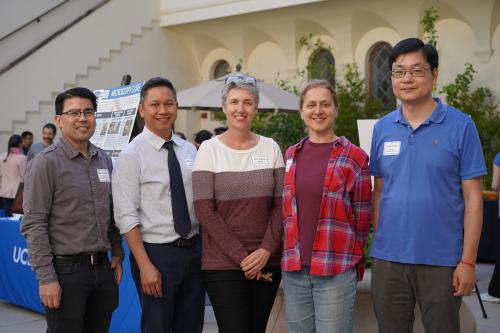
237	199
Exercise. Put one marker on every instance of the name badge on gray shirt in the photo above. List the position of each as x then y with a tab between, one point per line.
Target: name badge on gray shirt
103	175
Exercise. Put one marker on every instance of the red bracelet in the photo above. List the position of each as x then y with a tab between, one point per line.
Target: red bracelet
467	263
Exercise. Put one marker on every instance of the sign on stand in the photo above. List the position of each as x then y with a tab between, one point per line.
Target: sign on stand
115	117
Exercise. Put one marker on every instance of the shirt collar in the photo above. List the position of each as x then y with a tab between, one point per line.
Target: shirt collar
156	141
70	151
340	140
437	115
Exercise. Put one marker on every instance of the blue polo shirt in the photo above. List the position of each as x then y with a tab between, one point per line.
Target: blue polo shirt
421	216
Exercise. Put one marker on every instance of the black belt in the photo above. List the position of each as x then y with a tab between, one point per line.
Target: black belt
92	259
184	242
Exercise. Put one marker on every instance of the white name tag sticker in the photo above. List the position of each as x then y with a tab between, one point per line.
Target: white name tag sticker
392	148
189	163
103	175
261	161
288	165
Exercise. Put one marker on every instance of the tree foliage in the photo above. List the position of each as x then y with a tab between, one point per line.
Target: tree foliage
480	104
355	103
429	25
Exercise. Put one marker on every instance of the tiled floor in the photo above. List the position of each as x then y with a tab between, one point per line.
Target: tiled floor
17	320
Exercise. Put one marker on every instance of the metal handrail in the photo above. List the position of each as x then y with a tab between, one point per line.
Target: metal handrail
51	37
36	19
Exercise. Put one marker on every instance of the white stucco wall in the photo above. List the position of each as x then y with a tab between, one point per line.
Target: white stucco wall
94	53
186	11
14	14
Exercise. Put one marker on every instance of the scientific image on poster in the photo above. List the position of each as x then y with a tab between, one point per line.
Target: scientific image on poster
104	128
127	128
114	127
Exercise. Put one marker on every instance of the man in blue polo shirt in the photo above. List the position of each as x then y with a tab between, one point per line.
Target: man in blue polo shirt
428	164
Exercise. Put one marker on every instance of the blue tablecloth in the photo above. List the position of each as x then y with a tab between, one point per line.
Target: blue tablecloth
18	283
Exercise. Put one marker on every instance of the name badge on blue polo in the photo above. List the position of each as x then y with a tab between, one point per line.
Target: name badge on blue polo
392	148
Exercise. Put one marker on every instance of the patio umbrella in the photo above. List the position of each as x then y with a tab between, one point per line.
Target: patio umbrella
207	96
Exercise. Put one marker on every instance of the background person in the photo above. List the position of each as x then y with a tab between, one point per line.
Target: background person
48	134
12	168
68	224
326	212
27	141
201	136
237	183
153	203
493	294
181	135
428	164
220	130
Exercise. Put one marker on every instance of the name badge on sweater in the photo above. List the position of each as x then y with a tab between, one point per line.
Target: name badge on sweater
103	175
260	161
392	148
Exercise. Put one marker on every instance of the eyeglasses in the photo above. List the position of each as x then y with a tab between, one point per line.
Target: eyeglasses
240	79
415	72
75	113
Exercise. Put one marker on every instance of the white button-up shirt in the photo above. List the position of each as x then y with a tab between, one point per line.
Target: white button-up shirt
141	187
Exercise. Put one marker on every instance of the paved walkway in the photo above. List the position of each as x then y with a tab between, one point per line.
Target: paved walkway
17	320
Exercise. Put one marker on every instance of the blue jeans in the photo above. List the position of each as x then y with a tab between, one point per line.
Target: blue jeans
322	304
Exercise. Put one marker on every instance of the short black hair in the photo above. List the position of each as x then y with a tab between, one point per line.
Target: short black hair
202	136
220	130
411	45
74	92
156	82
50	126
25	134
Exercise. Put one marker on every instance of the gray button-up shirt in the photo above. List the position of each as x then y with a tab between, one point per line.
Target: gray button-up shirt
68	206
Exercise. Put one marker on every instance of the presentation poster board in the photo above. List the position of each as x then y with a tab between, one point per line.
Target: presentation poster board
116	113
365	132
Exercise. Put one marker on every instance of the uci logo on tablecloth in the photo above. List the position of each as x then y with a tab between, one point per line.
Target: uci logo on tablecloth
20	255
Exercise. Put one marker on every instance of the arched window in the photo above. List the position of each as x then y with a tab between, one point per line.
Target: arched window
380	86
221	68
322	66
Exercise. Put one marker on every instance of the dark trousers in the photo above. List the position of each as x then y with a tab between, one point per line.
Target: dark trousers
181	308
5	205
397	287
89	297
494	287
241	305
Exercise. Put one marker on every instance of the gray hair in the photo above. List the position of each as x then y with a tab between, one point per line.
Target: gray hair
251	88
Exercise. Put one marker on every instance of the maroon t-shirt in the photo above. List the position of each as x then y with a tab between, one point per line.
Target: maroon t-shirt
312	160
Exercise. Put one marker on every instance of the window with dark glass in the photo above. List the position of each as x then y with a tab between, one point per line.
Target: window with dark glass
220	69
322	66
380	86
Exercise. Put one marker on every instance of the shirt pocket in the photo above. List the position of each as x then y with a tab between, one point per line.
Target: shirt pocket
337	182
65	268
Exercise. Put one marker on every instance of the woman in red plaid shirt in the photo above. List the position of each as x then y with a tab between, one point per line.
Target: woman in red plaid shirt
326	219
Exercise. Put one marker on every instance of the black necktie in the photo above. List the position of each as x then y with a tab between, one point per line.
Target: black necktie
182	221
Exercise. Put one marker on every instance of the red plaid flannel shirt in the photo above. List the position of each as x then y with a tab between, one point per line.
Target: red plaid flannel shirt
345	212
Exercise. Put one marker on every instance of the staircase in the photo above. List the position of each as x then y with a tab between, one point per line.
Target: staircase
28	89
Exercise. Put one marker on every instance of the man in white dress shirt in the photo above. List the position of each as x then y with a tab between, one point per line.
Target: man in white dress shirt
165	253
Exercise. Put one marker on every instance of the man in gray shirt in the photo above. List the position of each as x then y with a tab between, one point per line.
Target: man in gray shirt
68	222
48	135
